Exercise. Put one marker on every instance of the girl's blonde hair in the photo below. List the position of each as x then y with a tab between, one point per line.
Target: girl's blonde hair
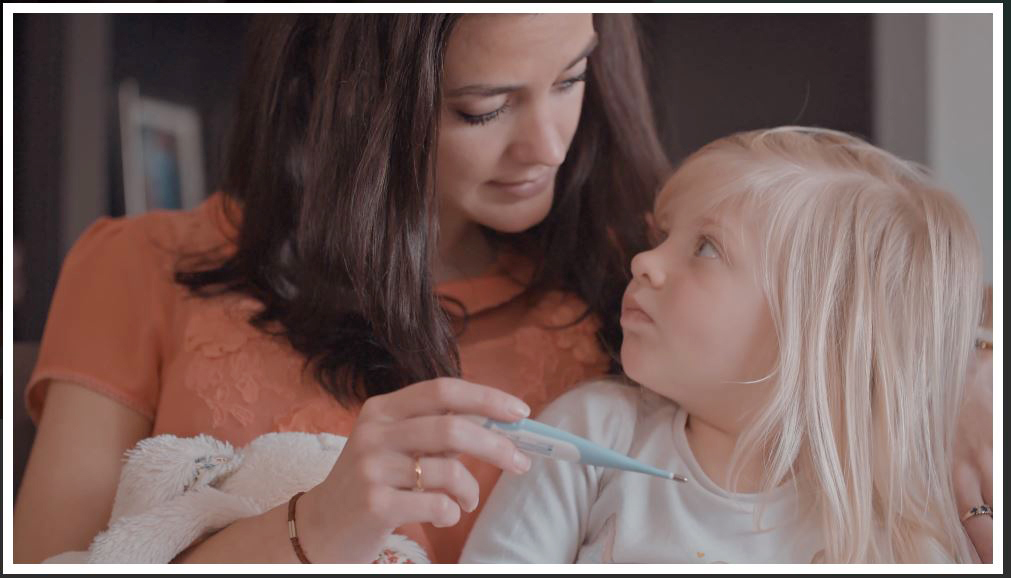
873	278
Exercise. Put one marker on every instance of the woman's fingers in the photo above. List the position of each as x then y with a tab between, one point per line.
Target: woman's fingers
445	395
376	470
980	530
445	475
986	471
450	434
973	468
424	507
968	494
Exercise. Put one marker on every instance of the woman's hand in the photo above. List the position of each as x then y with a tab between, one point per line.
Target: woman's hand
973	464
371	489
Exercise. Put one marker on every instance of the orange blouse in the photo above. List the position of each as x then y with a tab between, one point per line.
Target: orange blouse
119	325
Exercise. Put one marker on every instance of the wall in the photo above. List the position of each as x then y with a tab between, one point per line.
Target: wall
960	114
933	95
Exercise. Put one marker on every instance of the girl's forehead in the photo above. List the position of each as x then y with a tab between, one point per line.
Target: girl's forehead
678	200
700	190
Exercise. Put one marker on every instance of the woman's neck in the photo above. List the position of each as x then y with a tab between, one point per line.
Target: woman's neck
464	250
712	447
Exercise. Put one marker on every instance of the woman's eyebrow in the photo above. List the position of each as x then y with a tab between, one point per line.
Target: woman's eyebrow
482	90
487	90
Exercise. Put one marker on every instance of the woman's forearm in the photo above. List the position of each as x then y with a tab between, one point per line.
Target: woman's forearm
264	539
260	539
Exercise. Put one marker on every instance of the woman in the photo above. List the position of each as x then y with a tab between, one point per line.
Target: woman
414	205
384	169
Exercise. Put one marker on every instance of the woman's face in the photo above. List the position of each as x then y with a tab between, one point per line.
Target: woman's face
512	94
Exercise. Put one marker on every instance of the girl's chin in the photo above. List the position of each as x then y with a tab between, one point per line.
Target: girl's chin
633	364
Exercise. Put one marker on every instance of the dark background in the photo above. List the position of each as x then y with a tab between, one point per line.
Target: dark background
711	74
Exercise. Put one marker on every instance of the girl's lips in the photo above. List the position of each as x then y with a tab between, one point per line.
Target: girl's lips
635	316
633	312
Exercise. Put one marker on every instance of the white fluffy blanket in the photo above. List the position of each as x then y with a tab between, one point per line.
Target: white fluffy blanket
173	491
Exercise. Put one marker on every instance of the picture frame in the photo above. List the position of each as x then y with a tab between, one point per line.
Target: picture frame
161	152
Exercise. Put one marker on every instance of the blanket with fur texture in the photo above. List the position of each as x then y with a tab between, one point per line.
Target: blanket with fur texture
174	490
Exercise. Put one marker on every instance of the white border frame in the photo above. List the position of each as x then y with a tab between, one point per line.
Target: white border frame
996	9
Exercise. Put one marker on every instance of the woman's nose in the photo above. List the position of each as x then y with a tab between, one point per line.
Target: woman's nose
648	267
539	139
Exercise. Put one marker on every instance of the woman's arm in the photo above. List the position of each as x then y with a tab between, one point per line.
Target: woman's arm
70	481
972	471
73	472
368	493
973	467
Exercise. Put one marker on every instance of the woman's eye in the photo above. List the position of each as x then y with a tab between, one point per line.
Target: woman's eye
566	85
479	119
706	248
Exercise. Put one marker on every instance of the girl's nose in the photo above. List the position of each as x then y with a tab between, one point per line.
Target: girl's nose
647	267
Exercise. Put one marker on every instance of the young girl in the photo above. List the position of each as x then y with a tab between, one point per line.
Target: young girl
800	336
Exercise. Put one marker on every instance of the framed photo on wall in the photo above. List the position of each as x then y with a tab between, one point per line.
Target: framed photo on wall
161	151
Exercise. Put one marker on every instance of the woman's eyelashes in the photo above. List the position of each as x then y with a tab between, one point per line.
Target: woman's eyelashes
569	84
481	119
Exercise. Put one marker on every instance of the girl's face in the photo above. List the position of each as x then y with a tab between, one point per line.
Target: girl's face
512	94
695	318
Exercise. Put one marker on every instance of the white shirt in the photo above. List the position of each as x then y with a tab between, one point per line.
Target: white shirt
561	512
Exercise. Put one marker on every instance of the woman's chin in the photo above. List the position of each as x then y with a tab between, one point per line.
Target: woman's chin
517	217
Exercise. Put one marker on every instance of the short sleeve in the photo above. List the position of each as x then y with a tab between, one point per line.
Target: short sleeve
107	317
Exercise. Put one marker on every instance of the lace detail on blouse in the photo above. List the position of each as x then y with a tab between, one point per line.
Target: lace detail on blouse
548	376
233	363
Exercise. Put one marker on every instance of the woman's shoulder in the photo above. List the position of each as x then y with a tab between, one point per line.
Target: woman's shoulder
200	228
153	240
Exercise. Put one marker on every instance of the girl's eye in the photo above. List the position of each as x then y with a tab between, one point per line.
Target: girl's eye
706	248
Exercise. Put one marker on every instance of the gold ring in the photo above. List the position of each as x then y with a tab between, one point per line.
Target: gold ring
984	338
417	476
980	510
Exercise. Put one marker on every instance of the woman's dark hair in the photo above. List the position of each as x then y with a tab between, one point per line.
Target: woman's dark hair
330	159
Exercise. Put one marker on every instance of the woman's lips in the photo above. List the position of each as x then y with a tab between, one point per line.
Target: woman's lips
525	188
